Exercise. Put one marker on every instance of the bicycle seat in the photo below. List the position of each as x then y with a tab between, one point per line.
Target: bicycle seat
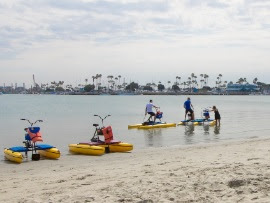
96	125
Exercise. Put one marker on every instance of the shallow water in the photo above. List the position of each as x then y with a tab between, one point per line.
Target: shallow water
69	119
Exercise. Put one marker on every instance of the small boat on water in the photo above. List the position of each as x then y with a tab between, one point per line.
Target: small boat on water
96	146
151	124
19	153
205	120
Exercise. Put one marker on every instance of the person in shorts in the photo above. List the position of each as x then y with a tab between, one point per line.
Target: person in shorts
189	108
149	110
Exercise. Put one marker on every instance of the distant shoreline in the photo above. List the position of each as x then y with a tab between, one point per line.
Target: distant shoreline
136	94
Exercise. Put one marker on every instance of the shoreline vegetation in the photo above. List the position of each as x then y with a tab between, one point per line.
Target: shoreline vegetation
166	93
142	93
116	85
231	171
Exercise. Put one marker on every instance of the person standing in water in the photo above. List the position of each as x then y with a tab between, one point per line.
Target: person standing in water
187	106
149	110
217	115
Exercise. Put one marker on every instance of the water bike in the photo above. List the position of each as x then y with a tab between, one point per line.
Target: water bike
96	146
205	120
32	136
151	124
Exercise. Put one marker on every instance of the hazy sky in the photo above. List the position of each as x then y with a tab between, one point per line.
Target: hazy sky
144	41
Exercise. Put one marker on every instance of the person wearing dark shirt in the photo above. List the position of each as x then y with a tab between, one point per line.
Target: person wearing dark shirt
217	115
189	108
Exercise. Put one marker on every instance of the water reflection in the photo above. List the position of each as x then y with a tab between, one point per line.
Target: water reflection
189	132
217	130
153	137
206	129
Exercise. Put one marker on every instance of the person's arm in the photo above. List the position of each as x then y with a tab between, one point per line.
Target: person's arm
191	106
145	110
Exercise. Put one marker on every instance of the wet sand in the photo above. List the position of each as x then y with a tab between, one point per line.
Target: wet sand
237	171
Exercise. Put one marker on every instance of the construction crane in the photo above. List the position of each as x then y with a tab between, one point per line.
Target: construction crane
36	87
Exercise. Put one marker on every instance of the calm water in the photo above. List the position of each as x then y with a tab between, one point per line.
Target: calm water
69	119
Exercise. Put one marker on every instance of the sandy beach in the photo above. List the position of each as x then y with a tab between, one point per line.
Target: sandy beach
236	171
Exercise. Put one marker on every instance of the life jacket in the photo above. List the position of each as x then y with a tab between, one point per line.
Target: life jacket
35	134
159	114
206	114
108	134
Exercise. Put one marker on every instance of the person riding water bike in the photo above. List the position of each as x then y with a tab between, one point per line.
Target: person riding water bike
187	106
149	110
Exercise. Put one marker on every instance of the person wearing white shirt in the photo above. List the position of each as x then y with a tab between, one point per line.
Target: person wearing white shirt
149	110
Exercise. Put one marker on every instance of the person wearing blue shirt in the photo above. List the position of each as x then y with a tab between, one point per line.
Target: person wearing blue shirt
189	108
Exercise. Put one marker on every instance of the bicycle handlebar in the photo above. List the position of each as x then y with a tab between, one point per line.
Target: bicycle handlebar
23	119
102	119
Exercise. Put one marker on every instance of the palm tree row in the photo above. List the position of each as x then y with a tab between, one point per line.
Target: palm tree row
114	83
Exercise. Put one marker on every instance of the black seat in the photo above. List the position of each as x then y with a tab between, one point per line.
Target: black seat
96	125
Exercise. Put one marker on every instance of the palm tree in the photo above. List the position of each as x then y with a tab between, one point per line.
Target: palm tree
178	78
116	79
97	77
109	77
240	81
255	80
225	83
201	76
217	82
93	77
99	80
206	79
189	82
195	81
201	80
184	83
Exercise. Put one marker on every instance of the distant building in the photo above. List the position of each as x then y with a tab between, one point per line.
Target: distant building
242	88
6	89
20	89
